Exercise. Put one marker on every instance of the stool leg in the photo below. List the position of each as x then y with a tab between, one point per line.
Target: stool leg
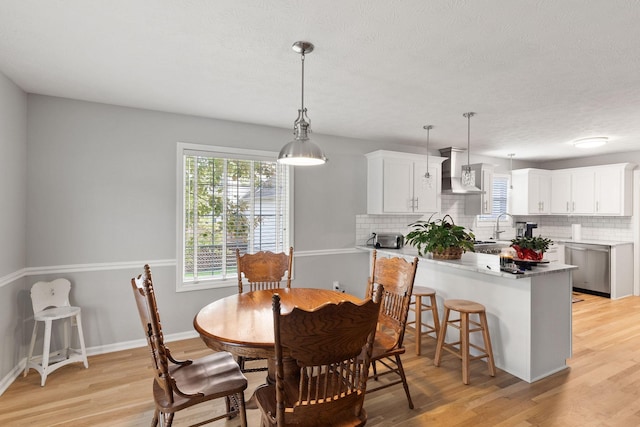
464	346
487	344
31	346
45	351
434	311
441	337
81	339
418	324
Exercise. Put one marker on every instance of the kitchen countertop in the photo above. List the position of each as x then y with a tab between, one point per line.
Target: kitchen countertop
477	262
590	242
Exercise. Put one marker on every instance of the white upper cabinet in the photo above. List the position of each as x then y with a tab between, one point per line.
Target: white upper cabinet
481	204
531	194
572	191
595	190
396	183
613	189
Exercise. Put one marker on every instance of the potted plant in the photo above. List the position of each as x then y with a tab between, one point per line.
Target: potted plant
441	237
531	248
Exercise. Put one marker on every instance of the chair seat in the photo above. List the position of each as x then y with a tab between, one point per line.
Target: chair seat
56	313
266	398
216	375
385	345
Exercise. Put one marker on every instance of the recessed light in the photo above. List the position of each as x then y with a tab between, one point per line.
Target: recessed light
591	142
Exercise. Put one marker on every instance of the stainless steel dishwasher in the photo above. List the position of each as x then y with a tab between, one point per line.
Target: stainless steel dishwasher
593	275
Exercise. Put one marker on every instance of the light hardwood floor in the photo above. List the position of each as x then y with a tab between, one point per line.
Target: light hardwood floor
601	388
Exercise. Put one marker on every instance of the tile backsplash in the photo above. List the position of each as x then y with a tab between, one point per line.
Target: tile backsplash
554	226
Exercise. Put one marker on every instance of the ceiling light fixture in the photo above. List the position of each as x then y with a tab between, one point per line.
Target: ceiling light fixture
301	151
591	142
468	175
428	178
511	170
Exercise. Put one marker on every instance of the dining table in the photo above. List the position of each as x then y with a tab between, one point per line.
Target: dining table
242	324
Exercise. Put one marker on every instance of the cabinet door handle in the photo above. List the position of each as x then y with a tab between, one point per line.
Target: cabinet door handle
542	203
573	206
567	206
597	207
417	204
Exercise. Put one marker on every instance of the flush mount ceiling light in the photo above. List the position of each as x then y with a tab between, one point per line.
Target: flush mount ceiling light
468	175
591	142
301	151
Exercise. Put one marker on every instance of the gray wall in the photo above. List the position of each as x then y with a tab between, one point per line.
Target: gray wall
13	207
101	197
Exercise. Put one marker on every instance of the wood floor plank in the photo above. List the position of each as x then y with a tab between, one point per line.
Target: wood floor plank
600	388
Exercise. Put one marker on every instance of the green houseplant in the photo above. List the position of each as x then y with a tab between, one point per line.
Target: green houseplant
532	248
441	237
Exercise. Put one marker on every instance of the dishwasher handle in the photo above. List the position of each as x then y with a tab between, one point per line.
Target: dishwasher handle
582	249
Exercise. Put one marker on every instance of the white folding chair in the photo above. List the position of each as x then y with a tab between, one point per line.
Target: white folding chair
50	302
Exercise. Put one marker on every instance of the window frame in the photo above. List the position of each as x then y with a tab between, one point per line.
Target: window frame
492	217
226	152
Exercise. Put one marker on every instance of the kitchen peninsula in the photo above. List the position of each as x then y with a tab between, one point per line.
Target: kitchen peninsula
529	314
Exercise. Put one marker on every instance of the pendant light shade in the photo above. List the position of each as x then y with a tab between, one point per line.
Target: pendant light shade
301	151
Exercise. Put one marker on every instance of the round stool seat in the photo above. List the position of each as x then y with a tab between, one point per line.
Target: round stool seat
463	306
423	291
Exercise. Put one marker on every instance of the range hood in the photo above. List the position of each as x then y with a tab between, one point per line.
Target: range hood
452	172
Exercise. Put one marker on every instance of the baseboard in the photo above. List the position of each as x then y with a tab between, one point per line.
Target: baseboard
93	351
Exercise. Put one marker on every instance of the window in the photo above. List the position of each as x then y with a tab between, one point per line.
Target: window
500	199
228	199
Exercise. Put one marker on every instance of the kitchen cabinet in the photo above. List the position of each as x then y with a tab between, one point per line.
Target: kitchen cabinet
396	183
595	190
555	253
531	194
573	191
481	204
613	189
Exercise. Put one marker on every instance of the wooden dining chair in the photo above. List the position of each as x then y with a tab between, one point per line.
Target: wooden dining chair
396	275
332	348
262	270
188	382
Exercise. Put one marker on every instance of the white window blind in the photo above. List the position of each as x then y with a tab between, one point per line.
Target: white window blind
230	200
500	197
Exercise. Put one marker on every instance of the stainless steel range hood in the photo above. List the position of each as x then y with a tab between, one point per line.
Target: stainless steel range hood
452	172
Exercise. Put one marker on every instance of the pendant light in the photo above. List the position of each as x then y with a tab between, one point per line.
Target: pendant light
511	171
301	151
468	175
427	179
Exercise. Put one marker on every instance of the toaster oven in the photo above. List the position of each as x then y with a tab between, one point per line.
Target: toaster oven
389	241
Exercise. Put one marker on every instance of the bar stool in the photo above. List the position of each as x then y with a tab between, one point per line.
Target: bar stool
418	306
465	308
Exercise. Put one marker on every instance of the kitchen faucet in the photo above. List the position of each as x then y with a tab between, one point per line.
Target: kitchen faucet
496	233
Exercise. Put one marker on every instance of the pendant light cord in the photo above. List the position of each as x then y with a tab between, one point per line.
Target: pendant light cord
428	128
468	116
302	98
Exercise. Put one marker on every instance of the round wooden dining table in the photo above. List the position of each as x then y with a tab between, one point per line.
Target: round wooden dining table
243	323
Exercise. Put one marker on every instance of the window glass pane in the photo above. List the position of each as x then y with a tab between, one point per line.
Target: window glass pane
231	204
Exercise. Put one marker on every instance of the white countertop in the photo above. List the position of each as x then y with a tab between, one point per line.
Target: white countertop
590	242
481	263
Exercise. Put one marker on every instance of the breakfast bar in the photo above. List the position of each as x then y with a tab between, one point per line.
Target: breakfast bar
529	314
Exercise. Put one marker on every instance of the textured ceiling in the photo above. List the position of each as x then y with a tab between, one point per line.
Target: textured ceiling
539	74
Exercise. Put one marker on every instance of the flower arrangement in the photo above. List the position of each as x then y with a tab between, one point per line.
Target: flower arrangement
532	248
